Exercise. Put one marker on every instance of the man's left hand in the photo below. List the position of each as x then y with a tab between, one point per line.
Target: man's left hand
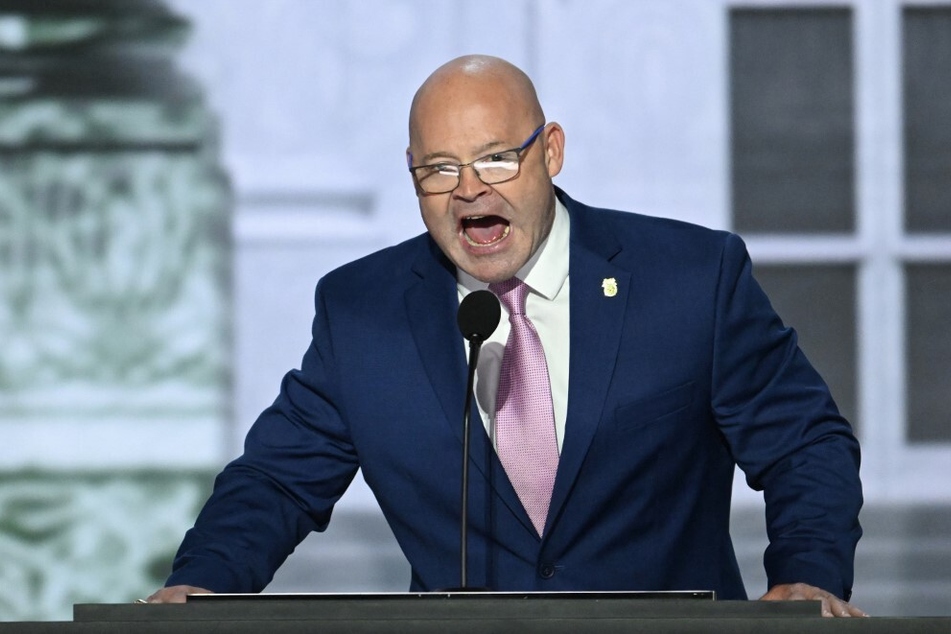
831	604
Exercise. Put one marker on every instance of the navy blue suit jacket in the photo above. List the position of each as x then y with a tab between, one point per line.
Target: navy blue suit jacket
686	372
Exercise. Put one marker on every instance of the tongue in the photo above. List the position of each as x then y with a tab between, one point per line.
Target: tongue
484	230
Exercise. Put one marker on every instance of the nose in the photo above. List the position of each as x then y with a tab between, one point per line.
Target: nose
470	185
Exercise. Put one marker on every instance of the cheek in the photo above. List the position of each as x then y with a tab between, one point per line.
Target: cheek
429	212
535	218
436	217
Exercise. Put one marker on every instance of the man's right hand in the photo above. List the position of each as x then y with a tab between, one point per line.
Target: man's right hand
175	594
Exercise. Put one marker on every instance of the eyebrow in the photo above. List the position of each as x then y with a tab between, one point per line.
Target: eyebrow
486	147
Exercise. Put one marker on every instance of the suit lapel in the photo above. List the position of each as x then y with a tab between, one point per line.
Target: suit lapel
597	320
431	304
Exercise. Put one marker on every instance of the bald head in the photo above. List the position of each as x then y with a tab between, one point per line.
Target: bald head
472	80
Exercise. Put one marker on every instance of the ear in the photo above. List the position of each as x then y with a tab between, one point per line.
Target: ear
554	143
409	164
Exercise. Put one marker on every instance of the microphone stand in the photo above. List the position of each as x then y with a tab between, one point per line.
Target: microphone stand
475	344
478	317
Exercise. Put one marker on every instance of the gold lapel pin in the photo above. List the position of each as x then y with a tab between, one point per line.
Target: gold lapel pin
609	285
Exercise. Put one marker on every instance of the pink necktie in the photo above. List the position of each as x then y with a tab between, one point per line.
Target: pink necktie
524	419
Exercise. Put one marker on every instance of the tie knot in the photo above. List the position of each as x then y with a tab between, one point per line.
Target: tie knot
512	292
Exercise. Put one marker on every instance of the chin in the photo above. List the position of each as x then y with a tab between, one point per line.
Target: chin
495	275
488	268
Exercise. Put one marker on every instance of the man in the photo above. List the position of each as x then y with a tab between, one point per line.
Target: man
665	363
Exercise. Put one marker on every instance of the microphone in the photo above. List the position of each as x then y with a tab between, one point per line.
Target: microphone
478	317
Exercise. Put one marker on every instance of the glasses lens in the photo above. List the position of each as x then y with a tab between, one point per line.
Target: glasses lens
437	179
497	168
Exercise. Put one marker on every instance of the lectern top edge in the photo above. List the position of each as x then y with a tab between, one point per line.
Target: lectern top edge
708	595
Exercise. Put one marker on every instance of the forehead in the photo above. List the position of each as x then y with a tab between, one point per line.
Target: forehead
466	120
464	138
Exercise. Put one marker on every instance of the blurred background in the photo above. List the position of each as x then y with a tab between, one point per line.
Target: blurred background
176	175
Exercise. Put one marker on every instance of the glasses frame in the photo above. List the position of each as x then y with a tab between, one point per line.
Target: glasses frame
518	153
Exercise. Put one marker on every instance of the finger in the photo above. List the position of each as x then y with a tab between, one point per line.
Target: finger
167	595
840	609
854	611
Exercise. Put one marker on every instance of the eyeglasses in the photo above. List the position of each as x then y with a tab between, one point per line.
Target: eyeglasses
492	169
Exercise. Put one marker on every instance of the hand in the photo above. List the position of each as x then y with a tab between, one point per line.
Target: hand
175	594
831	604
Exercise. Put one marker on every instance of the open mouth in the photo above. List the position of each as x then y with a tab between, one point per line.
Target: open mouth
484	231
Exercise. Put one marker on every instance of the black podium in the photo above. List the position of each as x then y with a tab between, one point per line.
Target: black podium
551	613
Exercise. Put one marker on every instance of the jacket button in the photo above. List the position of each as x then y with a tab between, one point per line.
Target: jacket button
546	571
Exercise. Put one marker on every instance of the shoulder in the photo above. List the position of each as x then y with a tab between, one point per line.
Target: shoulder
624	235
383	271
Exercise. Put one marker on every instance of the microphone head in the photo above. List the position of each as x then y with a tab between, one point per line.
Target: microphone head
479	315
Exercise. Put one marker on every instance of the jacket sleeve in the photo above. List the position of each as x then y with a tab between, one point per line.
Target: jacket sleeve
786	434
298	460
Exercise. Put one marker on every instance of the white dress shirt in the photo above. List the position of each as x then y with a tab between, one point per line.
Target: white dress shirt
546	274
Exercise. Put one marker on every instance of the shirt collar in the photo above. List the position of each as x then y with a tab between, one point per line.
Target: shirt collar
546	271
